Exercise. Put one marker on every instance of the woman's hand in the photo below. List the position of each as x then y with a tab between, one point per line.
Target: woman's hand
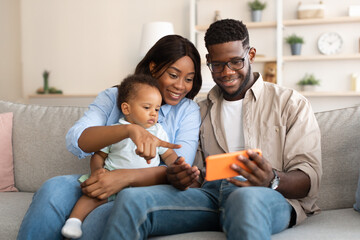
103	183
147	143
181	175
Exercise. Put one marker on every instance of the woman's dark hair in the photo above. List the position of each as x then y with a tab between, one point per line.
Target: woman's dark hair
167	51
128	87
227	30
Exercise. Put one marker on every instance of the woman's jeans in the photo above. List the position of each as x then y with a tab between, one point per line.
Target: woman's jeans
242	213
52	205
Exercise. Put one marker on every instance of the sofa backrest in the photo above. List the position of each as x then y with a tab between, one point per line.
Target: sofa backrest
39	148
40	151
340	146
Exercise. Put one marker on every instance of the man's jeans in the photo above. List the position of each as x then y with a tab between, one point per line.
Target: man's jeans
242	213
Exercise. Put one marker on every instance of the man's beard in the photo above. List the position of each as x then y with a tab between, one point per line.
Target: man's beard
240	89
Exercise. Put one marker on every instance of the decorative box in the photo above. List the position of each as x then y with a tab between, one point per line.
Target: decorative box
354	11
310	10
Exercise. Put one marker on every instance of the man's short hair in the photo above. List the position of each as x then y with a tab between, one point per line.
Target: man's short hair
226	30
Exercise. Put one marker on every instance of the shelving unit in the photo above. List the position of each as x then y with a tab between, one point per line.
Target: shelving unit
320	60
81	100
279	25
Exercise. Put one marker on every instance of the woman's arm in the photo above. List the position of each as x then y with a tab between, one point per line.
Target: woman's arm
103	111
95	138
181	174
186	132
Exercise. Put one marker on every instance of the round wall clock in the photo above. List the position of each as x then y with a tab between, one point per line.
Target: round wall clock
330	43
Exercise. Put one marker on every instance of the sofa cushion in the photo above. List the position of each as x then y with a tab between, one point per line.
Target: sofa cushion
331	224
13	206
326	225
39	143
340	138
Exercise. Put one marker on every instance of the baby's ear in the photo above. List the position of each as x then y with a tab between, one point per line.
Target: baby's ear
125	108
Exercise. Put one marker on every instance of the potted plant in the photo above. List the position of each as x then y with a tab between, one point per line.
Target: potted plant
308	83
256	10
295	42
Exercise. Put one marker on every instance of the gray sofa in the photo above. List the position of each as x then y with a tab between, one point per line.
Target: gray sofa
39	153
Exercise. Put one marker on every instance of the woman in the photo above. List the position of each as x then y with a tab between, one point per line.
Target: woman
175	62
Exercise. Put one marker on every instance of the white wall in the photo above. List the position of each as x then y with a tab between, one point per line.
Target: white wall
88	45
10	63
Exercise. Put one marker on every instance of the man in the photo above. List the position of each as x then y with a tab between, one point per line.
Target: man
240	112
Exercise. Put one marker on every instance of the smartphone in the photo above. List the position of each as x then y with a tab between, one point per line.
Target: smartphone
218	166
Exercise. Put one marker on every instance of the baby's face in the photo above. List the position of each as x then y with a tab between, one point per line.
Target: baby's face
145	106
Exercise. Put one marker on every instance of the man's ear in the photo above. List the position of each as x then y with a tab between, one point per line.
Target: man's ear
125	108
252	54
207	58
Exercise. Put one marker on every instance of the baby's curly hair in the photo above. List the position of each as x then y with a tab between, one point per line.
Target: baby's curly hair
128	87
227	30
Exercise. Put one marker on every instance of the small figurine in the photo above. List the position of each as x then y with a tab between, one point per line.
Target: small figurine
46	89
217	16
46	81
270	72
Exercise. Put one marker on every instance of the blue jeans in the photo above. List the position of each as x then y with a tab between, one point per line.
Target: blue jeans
242	213
51	206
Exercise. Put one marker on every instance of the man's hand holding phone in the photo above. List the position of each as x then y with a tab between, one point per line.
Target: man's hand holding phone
259	172
226	165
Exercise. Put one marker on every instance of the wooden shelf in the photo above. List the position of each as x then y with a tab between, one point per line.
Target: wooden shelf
80	100
260	24
62	96
261	59
249	25
333	20
258	59
331	94
322	57
293	22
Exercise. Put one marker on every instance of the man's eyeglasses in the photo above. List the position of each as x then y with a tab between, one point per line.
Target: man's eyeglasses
234	64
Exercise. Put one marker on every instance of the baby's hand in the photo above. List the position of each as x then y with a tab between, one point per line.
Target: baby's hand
98	172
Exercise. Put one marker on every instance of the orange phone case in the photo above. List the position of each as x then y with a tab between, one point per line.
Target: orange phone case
218	166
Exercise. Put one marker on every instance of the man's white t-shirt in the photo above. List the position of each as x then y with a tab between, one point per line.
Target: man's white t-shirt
231	118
